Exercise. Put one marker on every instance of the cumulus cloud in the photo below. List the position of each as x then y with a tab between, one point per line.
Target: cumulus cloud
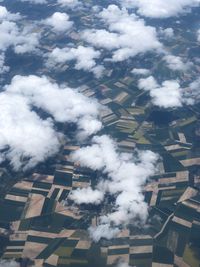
126	175
170	94
83	56
59	22
167	95
21	39
176	63
68	3
64	104
26	138
148	83
140	71
103	231
87	196
6	15
160	8
127	35
167	33
27	41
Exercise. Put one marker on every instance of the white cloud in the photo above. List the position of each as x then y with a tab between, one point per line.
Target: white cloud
6	15
9	263
195	85
35	1
160	8
9	34
27	41
3	68
68	3
84	57
122	264
168	33
198	35
191	94
88	125
126	173
87	196
29	138
127	35
64	104
167	95
148	83
21	39
176	63
103	231
59	21
140	71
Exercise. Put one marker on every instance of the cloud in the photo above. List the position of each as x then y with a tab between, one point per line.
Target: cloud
191	94
195	85
170	94
63	103
140	71
198	35
167	33
8	263
121	263
126	175
59	22
83	56
69	3
103	231
6	15
30	139
176	63
167	95
148	83
127	35
27	40
21	39
3	68
87	196
160	8
35	1
88	125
